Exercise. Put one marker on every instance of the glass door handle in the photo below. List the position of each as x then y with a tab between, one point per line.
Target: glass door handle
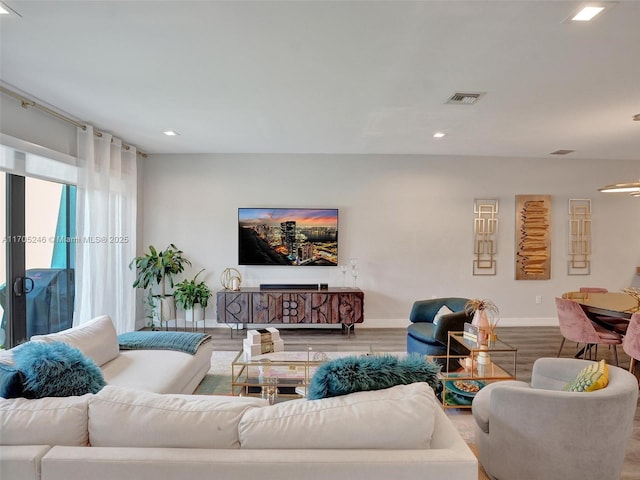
22	285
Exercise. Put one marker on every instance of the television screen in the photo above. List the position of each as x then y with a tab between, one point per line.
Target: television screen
288	236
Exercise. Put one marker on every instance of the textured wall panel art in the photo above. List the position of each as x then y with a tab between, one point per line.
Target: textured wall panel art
533	237
485	231
579	237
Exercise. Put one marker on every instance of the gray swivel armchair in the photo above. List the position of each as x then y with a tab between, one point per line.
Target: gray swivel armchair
538	431
427	338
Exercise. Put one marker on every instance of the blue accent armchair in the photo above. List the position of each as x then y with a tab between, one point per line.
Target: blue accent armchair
425	337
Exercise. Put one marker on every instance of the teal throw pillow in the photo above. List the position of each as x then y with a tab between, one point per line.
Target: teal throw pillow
11	380
56	370
359	373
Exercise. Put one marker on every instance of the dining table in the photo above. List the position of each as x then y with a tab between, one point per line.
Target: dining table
611	310
609	304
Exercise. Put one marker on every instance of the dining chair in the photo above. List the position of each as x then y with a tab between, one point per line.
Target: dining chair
577	327
593	290
631	341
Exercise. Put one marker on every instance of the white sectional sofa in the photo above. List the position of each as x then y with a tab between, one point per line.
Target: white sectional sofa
399	433
160	371
143	425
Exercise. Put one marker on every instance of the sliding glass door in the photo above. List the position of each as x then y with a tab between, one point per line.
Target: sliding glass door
38	259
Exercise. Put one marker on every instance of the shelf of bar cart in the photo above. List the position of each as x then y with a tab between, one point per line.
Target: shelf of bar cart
464	375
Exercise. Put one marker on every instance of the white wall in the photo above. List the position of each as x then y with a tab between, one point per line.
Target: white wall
408	219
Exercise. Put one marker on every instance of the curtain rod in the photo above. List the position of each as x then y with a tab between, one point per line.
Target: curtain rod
25	102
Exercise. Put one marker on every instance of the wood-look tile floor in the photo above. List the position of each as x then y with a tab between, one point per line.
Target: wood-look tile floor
531	342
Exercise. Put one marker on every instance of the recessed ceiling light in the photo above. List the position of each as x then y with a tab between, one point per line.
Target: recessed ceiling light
586	14
171	133
438	135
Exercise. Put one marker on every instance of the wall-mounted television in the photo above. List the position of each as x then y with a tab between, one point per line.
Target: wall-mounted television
288	236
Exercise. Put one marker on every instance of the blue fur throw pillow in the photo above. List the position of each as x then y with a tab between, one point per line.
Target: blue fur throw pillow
56	370
11	381
371	372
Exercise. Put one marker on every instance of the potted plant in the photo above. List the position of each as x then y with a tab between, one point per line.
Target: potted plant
485	317
193	297
156	267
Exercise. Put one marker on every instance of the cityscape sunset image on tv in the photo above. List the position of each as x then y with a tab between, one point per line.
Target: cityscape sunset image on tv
288	236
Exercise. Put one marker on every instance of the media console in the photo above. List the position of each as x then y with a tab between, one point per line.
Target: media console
291	306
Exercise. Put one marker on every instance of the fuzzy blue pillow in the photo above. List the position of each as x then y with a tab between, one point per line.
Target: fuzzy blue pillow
371	372
11	380
56	370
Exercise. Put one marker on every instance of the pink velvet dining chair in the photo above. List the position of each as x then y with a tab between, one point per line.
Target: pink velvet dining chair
631	341
593	290
577	327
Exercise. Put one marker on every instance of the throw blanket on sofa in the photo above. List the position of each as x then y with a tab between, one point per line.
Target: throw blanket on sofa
187	342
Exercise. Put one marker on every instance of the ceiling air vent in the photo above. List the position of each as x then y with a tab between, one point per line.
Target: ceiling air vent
460	98
562	152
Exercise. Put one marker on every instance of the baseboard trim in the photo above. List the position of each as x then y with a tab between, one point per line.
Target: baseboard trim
394	323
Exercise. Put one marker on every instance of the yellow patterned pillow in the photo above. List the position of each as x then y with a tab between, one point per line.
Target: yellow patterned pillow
593	377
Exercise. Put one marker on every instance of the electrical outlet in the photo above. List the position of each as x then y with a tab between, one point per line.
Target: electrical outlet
538	298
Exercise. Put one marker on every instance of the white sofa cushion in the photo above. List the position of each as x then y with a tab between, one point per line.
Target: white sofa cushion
159	371
44	421
96	339
124	417
401	417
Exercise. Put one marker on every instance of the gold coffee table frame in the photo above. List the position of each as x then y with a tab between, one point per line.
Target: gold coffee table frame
293	367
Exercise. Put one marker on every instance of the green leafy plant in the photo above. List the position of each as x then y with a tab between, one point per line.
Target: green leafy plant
189	292
154	268
158	267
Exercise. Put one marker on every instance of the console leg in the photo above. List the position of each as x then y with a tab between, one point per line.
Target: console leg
348	327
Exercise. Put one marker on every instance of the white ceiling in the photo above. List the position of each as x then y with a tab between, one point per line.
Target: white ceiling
335	76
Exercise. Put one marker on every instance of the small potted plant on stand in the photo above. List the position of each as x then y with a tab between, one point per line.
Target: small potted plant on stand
156	267
193	297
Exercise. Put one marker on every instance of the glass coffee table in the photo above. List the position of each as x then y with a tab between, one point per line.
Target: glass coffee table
290	370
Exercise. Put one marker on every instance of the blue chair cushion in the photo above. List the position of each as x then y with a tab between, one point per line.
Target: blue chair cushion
424	332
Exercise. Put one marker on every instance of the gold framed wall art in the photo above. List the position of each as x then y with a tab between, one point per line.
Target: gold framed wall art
579	237
533	237
485	231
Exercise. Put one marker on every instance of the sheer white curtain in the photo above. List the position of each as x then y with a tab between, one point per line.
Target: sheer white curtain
106	223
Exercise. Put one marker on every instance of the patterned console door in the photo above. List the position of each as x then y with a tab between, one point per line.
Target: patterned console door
233	307
350	308
280	307
334	306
